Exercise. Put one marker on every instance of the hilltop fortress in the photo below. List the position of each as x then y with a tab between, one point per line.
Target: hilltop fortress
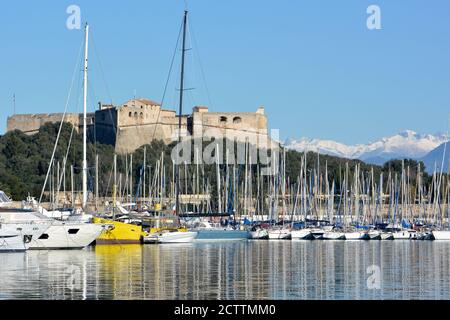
140	121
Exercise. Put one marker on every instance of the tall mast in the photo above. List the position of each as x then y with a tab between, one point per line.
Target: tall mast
84	116
177	182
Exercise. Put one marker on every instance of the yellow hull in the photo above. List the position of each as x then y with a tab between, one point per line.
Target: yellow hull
120	233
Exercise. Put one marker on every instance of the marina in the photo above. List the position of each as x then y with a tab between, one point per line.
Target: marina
313	270
117	196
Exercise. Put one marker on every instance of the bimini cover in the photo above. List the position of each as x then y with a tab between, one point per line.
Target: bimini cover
405	224
4	198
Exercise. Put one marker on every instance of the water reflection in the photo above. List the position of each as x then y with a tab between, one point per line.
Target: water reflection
240	270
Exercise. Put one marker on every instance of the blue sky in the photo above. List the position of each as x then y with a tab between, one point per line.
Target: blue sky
313	64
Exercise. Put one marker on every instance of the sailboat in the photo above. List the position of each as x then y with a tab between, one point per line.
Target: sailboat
443	232
177	234
216	231
80	230
120	232
75	231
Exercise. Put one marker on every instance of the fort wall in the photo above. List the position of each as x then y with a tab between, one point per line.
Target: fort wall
140	121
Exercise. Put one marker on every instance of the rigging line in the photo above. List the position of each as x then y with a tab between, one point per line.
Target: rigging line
77	109
64	163
93	97
167	82
192	31
62	121
97	55
105	193
188	77
108	92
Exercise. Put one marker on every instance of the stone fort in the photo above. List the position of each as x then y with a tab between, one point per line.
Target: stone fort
139	121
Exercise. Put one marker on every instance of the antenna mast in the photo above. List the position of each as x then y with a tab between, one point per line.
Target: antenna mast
84	202
177	204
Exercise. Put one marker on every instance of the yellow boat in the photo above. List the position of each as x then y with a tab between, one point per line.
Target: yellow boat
120	233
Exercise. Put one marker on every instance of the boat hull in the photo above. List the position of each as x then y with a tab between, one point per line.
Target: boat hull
280	234
374	235
177	237
260	234
441	235
333	236
119	233
425	236
387	236
317	233
62	236
303	234
30	232
356	236
11	241
404	235
150	238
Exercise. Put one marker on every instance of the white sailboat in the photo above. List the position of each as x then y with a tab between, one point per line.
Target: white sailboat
176	235
280	234
333	235
356	235
441	234
259	233
387	236
75	231
374	235
317	233
302	234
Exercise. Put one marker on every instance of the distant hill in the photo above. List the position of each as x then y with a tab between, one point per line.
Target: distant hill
434	158
406	144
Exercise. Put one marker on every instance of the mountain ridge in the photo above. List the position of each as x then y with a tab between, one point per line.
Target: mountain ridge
405	144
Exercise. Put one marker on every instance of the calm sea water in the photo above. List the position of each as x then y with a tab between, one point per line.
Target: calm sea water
238	270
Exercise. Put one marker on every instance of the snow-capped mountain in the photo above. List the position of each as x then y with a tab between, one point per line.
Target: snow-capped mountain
406	144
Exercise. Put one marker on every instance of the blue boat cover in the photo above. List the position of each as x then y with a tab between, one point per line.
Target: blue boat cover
405	224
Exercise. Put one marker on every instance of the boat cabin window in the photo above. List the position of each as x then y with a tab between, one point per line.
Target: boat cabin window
73	231
44	236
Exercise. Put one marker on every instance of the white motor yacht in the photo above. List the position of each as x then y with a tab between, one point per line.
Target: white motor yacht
68	230
10	239
29	224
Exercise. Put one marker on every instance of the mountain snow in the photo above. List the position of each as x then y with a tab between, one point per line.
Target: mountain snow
406	144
